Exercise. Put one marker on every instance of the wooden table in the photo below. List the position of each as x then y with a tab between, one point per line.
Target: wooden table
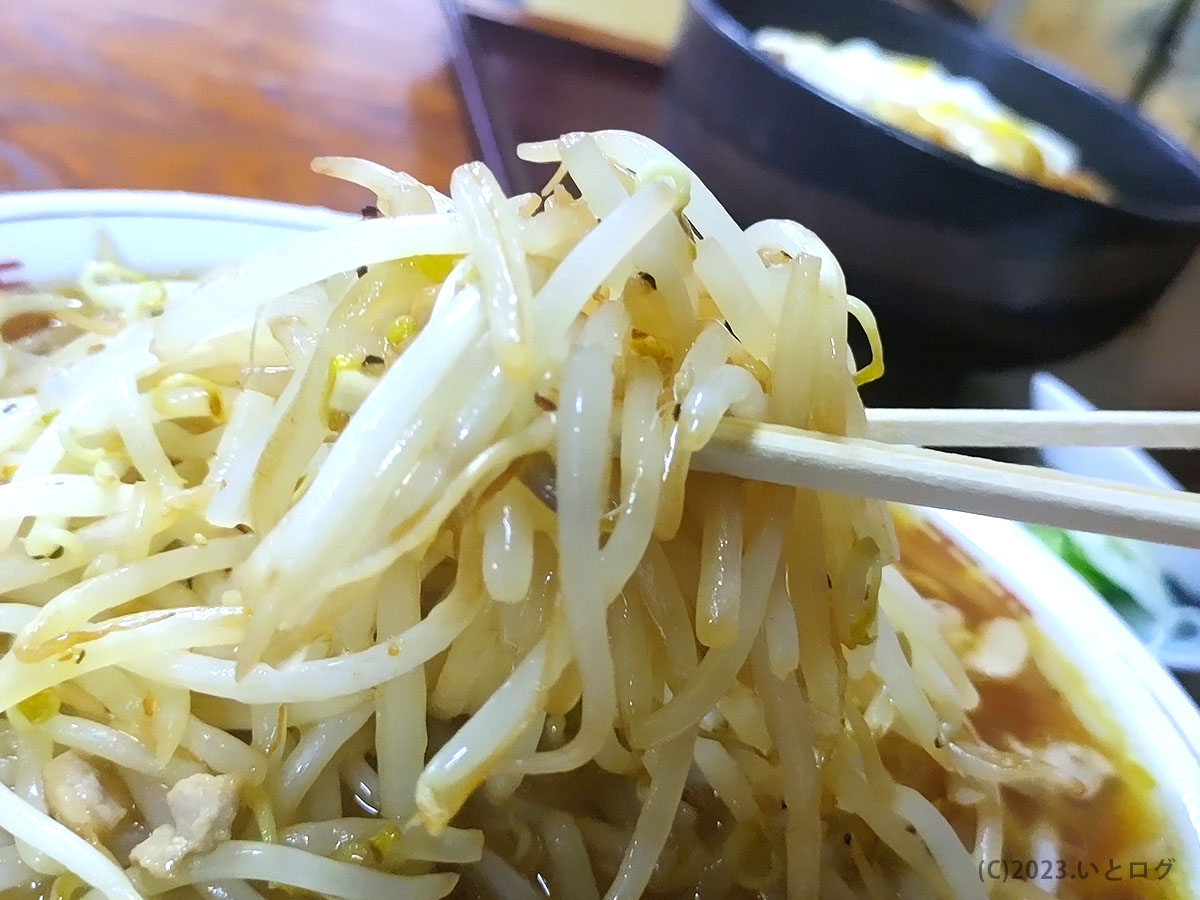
224	96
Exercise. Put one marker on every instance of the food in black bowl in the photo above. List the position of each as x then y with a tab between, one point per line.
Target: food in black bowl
963	263
916	94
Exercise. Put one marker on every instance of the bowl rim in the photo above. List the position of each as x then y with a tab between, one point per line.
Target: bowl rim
35	206
731	28
994	544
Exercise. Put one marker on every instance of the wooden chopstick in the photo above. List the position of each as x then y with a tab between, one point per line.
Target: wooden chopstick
1034	428
948	481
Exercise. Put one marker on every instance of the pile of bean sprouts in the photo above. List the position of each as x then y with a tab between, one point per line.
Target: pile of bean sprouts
385	543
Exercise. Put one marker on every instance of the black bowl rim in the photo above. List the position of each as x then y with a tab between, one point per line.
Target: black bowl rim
729	27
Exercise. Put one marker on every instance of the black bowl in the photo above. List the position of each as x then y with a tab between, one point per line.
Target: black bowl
962	264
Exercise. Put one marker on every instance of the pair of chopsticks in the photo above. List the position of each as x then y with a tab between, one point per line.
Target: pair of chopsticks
883	466
1035	428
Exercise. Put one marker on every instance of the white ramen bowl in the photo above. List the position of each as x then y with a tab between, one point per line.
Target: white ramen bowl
54	234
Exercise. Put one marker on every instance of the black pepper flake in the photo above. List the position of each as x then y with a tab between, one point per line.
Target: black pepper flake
677	411
828	582
911	829
373	360
649	279
939	742
545	403
10	407
80	655
244	529
846	838
370	212
361	270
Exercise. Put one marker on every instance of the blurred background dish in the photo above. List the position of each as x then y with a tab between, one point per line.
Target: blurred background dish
917	95
965	263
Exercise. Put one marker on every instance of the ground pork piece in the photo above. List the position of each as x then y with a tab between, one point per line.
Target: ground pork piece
203	807
77	798
1085	769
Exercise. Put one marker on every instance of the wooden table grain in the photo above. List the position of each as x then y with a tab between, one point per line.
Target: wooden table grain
224	96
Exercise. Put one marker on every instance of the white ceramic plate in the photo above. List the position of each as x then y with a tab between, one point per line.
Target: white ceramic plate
53	235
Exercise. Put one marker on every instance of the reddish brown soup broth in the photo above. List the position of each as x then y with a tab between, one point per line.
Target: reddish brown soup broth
1121	824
